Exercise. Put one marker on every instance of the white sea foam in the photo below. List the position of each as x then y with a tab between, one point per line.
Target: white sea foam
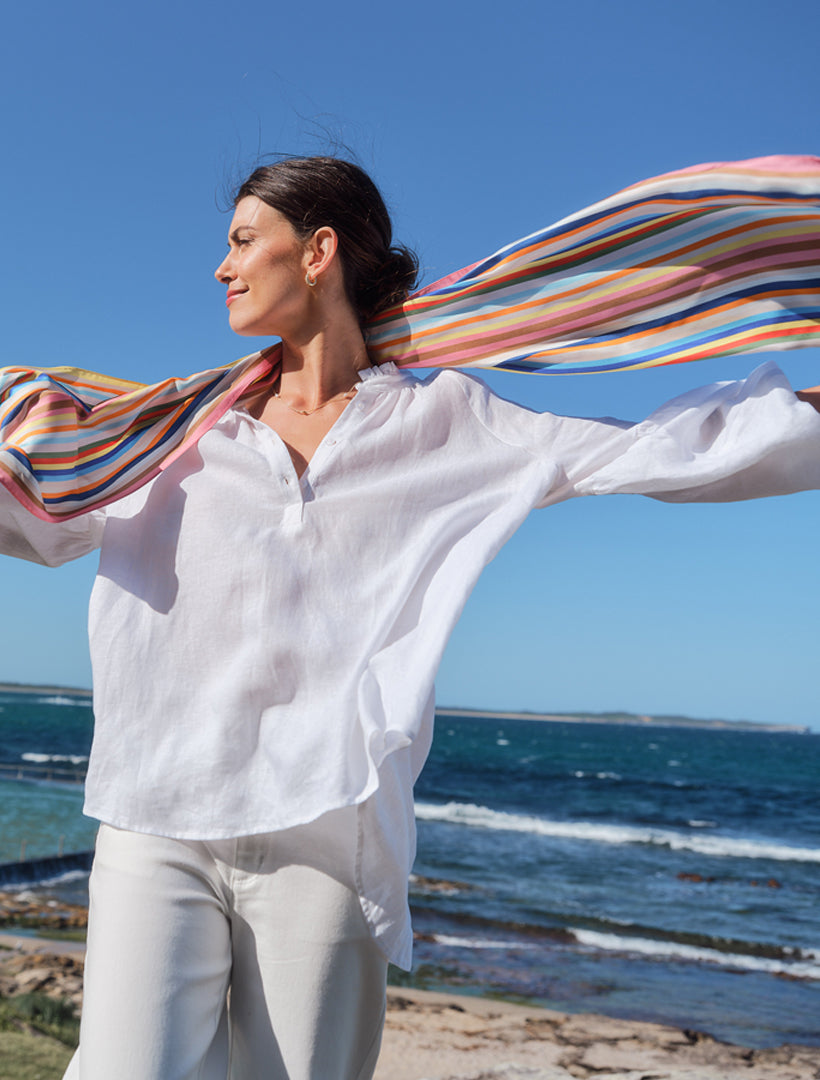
64	879
580	774
45	759
58	699
478	943
718	846
807	967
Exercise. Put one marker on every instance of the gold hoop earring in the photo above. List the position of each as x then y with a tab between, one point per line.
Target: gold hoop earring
311	281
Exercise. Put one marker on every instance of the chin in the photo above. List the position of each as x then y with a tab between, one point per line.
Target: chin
247	328
243	328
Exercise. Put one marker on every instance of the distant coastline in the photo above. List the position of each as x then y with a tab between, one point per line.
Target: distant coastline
632	719
26	688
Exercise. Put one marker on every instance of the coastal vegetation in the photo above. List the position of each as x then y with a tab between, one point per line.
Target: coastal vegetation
38	1034
27	1056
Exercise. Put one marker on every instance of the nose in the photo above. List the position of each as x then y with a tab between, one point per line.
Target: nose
224	273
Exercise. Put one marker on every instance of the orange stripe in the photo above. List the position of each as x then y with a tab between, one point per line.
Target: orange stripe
491	341
421	334
565	315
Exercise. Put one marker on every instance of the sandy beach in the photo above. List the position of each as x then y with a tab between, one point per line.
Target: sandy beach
432	1036
447	1037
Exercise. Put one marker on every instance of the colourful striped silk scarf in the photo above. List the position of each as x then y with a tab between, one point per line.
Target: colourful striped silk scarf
708	261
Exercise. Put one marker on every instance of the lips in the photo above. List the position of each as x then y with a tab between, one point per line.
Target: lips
229	299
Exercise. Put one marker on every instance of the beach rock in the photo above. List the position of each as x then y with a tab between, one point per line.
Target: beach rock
30	911
587	1028
57	976
622	1056
512	1072
419	883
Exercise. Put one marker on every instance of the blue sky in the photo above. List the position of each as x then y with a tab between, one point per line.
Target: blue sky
123	125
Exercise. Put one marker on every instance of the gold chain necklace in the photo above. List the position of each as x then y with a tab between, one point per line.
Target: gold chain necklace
309	412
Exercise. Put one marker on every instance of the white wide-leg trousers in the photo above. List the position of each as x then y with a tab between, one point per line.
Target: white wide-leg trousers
226	959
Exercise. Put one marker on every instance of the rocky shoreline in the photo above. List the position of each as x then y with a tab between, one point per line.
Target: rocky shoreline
36	964
28	911
433	1036
40	970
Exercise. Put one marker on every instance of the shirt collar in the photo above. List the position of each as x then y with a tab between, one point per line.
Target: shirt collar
381	375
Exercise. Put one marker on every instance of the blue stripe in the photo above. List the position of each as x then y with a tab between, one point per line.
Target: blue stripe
553	231
640	355
181	422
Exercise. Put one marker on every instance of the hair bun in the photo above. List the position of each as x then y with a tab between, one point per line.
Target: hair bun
391	284
315	191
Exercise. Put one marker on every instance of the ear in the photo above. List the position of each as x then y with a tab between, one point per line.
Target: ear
320	251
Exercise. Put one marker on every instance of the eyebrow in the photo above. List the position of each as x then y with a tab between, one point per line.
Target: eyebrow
234	233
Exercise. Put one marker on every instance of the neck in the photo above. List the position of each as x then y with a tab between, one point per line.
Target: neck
322	367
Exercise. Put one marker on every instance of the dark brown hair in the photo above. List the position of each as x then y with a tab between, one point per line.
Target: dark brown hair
315	191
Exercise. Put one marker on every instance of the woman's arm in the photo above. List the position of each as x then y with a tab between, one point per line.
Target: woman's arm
744	439
735	440
25	536
810	394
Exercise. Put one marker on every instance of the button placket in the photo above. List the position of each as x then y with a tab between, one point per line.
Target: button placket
292	510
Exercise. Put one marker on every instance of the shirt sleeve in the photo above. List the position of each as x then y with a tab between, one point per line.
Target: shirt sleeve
719	443
25	536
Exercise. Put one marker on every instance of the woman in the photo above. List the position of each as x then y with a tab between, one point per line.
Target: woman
265	628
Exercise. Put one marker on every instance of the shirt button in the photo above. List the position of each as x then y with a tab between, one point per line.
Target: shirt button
331	442
285	480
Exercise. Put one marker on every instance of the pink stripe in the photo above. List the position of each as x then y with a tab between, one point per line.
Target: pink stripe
782	164
17	489
677	280
270	361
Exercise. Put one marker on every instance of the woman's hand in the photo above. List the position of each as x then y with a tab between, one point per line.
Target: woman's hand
812	395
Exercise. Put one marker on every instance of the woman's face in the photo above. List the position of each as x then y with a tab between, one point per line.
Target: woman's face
264	272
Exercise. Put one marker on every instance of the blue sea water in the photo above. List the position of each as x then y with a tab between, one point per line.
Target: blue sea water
43	732
655	873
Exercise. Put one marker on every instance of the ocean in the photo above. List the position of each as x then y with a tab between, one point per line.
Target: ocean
668	874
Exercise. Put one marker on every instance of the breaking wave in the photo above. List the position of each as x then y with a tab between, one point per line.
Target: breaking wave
718	846
805	966
47	759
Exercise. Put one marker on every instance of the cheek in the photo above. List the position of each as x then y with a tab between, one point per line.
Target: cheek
247	262
268	269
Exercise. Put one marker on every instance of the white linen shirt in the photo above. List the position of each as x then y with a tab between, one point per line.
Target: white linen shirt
264	646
